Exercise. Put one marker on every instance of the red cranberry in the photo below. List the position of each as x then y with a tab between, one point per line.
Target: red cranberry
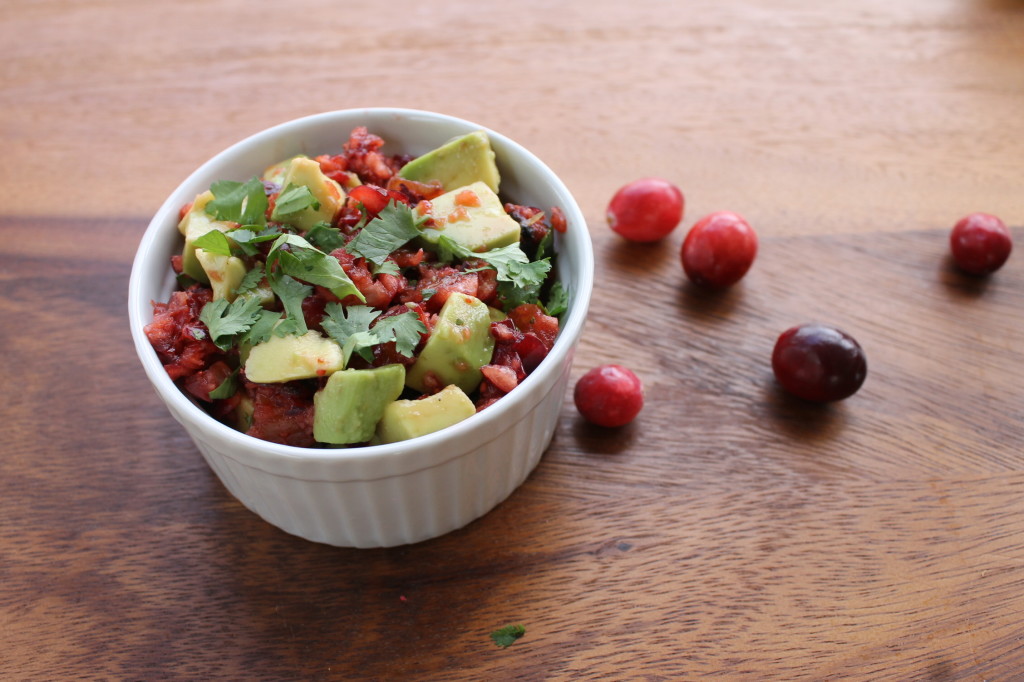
718	250
646	210
980	243
819	363
609	395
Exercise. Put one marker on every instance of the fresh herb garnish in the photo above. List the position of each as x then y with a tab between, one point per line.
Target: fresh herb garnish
405	329
350	327
225	320
303	261
393	227
244	203
247	239
291	292
214	242
388	267
507	636
291	200
510	261
227	388
558	300
261	329
546	246
251	280
325	237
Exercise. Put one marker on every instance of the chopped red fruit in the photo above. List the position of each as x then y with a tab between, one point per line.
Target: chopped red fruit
283	413
180	339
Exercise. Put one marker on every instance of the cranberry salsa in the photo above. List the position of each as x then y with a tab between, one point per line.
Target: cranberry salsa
359	298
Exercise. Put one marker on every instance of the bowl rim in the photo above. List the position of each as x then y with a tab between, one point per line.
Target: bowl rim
484	423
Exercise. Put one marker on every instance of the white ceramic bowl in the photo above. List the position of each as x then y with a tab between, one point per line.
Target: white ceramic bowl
388	494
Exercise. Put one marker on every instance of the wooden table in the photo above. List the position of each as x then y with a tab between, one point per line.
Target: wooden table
729	531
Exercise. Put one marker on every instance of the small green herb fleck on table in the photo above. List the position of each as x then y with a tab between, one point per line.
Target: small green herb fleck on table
507	636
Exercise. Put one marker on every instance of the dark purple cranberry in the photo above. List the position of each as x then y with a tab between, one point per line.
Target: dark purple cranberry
819	363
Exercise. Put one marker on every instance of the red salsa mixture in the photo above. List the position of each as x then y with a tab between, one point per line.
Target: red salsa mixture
360	297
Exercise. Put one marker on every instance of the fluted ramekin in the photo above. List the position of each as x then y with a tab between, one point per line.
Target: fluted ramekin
399	493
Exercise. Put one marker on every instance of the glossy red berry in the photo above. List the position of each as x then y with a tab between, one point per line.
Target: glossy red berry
609	395
980	243
718	250
646	210
819	363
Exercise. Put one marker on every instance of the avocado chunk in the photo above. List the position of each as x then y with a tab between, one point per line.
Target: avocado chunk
286	358
241	416
194	225
405	419
329	196
346	410
459	162
224	272
275	173
458	346
474	217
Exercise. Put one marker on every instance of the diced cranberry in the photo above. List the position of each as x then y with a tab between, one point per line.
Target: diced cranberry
501	376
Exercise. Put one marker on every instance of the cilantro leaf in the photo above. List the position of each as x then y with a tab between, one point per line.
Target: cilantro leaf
513	295
292	293
350	327
238	202
247	239
261	329
524	274
214	242
405	329
325	237
291	200
225	320
251	280
305	262
546	246
392	228
558	300
507	636
388	267
510	261
227	388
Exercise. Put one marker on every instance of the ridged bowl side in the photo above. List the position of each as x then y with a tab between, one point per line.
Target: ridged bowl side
395	510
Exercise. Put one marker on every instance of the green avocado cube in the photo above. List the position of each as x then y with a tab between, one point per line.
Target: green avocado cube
194	225
474	217
461	161
405	419
458	346
276	172
224	272
291	357
349	406
329	196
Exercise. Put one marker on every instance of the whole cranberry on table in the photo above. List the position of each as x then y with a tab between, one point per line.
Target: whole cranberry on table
718	250
645	210
980	243
609	395
819	363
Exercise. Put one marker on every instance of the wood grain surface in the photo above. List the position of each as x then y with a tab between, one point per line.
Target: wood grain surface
729	532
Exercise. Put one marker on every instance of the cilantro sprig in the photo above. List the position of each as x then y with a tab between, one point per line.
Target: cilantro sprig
511	262
293	261
508	635
225	321
292	200
354	330
244	203
393	228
